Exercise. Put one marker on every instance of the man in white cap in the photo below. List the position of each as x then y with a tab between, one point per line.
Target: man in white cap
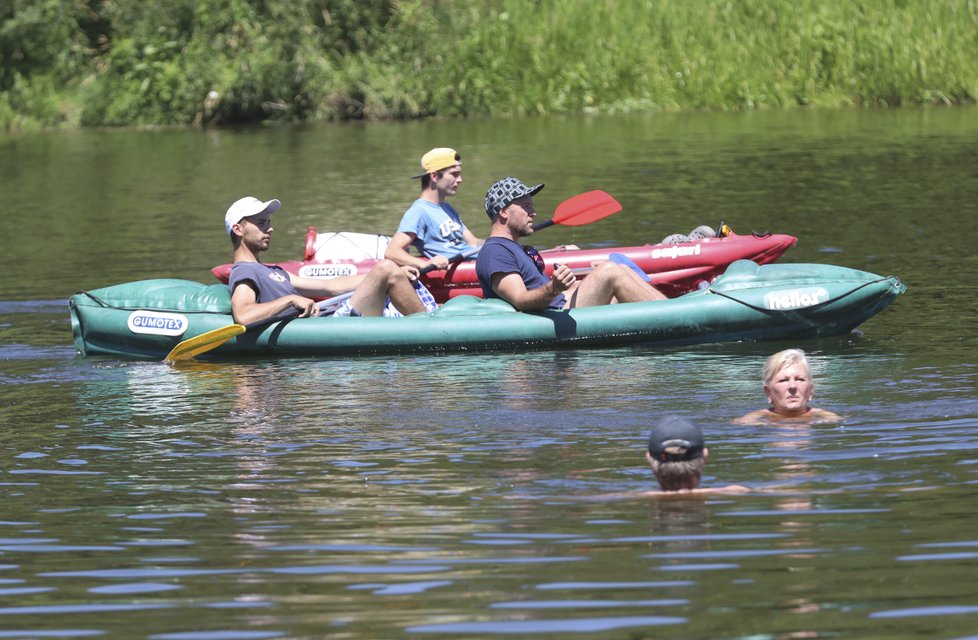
431	224
515	272
260	291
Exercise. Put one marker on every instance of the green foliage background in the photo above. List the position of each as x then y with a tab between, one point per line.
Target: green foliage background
176	62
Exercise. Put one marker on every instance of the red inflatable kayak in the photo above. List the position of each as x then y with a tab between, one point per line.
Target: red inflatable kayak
674	268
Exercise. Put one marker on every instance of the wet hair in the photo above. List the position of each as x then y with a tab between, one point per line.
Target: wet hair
679	475
782	359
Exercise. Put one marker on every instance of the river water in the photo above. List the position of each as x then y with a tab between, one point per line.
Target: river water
474	496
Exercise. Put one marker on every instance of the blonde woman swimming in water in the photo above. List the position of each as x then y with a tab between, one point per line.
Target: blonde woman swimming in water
789	388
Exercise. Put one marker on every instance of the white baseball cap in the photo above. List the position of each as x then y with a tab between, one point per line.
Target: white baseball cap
247	207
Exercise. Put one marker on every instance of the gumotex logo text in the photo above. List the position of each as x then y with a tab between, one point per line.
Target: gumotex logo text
795	298
327	270
157	323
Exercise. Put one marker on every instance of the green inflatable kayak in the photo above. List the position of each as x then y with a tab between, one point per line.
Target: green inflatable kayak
146	319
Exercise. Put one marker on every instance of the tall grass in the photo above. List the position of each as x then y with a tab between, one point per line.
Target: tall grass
569	55
124	62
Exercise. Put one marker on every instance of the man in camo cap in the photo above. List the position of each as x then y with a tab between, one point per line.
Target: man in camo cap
518	273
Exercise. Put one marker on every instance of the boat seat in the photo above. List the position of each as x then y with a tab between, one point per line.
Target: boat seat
344	245
473	306
166	294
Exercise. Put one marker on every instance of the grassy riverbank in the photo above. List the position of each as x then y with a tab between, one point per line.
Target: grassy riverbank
75	63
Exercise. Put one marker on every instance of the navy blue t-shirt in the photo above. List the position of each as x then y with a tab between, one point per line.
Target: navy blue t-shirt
502	255
269	281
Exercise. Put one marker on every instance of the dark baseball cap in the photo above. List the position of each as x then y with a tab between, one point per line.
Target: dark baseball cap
679	433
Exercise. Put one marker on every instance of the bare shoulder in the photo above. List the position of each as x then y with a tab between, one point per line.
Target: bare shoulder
402	238
670	495
700	491
730	488
768	417
761	416
824	415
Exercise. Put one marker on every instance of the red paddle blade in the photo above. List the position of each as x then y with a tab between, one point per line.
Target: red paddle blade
585	208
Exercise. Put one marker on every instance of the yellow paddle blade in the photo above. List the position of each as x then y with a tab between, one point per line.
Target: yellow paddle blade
204	342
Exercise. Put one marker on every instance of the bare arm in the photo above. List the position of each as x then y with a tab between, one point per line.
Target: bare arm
761	416
246	309
561	247
824	415
471	239
397	252
325	288
511	288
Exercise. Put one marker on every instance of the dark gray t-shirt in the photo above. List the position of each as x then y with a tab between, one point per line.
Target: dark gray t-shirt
269	282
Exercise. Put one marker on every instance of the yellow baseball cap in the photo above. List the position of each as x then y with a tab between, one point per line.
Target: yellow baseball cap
437	159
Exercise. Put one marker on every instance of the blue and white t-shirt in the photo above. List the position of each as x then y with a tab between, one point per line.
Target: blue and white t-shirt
438	229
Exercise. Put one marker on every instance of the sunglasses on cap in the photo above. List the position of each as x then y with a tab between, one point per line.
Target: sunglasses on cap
536	257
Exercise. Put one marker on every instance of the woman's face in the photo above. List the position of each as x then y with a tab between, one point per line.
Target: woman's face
790	390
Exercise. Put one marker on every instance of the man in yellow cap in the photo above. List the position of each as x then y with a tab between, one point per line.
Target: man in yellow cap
431	224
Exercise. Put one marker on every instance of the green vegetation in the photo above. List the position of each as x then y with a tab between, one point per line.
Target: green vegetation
175	62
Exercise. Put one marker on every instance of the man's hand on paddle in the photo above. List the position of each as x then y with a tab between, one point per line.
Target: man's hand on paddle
439	261
412	273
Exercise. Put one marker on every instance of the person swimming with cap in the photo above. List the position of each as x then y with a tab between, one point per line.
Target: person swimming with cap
677	454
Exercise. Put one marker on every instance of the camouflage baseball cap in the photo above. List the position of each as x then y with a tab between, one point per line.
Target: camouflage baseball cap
502	193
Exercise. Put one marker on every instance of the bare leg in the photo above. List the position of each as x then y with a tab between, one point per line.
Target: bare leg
385	279
643	284
404	296
610	282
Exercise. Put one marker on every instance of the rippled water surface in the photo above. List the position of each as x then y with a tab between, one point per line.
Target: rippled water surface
474	496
